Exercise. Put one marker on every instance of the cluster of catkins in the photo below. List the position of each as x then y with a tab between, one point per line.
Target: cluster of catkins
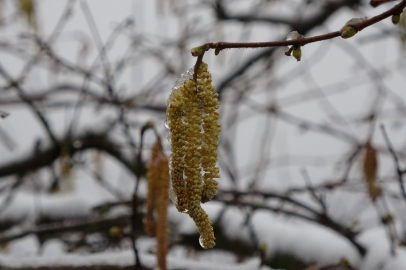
157	200
191	113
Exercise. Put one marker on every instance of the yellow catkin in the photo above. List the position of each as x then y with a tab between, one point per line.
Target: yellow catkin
157	200
192	117
211	132
370	170
177	128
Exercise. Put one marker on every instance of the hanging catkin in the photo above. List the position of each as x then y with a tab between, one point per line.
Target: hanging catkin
157	202
370	170
192	120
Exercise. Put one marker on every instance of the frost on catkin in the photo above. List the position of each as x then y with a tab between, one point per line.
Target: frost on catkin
192	120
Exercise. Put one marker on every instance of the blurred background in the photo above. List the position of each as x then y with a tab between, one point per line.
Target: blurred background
80	78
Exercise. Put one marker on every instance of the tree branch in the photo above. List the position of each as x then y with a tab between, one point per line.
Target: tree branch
303	41
302	28
319	218
47	157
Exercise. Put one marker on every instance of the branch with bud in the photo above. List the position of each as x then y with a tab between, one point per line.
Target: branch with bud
351	28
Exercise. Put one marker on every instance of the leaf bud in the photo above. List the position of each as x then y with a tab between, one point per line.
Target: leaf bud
197	51
396	19
348	31
297	53
217	51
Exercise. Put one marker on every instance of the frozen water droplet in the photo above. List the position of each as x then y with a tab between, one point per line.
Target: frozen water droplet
169	137
293	35
179	83
190	72
172	196
167	123
201	242
356	20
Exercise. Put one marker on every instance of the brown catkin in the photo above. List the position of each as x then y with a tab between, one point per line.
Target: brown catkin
153	176
157	201
370	170
162	206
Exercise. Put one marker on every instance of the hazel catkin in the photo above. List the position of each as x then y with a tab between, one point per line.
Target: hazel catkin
370	170
157	201
192	117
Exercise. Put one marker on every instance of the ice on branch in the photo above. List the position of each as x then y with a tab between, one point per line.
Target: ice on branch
354	21
297	51
293	36
350	27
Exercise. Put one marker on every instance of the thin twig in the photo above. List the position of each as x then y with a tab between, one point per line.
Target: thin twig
395	158
308	181
197	66
303	41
